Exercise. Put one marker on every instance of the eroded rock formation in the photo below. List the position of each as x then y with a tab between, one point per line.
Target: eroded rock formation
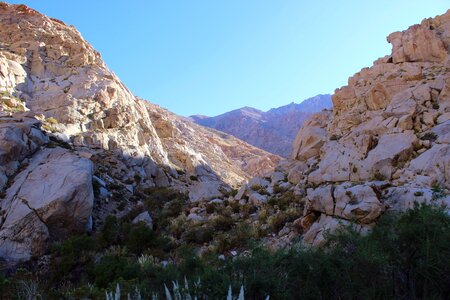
384	146
64	117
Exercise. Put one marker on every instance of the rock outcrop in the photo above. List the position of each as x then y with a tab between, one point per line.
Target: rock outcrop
385	145
274	130
48	191
65	117
50	67
50	199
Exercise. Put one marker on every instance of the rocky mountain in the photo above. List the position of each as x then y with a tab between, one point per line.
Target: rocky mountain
65	118
274	130
384	147
80	154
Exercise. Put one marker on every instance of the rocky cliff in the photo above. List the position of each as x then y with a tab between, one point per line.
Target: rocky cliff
64	117
77	146
274	130
384	146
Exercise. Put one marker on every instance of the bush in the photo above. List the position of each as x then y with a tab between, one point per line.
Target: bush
111	233
140	237
70	254
164	204
111	268
406	256
51	121
259	189
238	237
429	136
199	235
155	198
178	225
222	223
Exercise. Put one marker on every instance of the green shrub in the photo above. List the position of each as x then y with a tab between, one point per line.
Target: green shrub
222	223
111	233
96	185
51	121
140	238
164	204
70	254
405	256
429	136
111	268
276	222
260	189
277	189
199	234
178	225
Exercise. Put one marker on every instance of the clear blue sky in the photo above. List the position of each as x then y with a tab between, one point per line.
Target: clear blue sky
212	56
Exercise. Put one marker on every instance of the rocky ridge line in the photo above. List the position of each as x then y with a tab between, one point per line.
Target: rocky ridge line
273	130
68	124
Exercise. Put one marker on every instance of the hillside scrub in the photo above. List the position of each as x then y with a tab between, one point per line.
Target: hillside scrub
406	256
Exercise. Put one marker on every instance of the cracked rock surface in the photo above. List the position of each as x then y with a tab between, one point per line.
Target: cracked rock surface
50	198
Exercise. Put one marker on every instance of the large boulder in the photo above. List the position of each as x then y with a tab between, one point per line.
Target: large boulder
311	137
321	200
204	191
144	218
431	168
359	203
316	234
420	43
48	200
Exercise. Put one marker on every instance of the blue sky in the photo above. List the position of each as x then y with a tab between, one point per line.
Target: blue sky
211	56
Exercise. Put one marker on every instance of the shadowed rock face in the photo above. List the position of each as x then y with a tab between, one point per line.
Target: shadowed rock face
64	116
274	130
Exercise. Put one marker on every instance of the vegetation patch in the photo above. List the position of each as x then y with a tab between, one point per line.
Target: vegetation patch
406	256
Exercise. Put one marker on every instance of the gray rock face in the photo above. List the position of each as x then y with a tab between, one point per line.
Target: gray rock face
145	218
50	199
274	130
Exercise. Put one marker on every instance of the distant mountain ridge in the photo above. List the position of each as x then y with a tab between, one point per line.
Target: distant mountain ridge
273	130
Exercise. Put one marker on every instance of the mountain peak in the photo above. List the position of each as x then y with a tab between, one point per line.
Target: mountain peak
274	130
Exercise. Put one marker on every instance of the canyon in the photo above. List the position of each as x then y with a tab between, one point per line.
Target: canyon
78	151
56	91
